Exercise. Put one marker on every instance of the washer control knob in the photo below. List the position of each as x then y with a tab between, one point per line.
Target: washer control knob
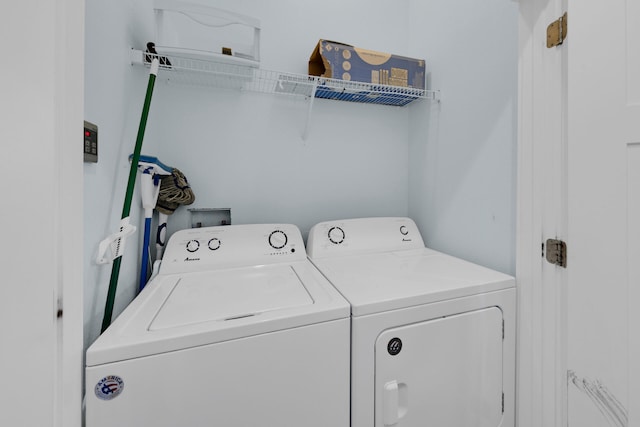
193	245
336	235
278	239
214	243
404	230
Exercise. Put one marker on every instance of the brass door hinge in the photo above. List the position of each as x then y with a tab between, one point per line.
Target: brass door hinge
556	252
557	31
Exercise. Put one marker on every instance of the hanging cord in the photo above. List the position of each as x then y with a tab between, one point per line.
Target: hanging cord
175	190
603	399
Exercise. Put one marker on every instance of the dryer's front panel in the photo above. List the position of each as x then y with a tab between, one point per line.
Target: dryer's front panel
442	372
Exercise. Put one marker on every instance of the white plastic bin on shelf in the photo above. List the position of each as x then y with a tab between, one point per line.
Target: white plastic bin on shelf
202	32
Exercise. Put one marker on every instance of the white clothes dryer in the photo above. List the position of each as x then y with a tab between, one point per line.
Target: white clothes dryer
433	336
238	329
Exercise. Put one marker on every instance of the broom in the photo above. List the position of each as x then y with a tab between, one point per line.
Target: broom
126	209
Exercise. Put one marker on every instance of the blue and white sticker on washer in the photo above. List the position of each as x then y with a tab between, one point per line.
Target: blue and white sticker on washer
109	387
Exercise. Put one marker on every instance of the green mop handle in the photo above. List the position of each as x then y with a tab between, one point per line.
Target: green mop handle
126	209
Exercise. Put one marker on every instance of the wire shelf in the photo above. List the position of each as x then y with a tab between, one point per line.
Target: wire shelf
220	71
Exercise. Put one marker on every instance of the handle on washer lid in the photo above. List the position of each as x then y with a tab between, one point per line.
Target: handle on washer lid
395	400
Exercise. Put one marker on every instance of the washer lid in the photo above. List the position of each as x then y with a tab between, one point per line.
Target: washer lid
231	294
386	281
187	310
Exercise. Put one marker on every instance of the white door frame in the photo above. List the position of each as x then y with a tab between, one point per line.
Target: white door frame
541	389
42	107
542	213
69	114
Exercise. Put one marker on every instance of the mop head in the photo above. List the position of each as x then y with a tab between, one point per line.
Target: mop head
174	191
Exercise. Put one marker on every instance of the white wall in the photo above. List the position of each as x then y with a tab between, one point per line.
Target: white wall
463	151
113	100
450	166
242	151
40	125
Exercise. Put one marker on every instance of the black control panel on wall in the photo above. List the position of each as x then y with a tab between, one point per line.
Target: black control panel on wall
90	142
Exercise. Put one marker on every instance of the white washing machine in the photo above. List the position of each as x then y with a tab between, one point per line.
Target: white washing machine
238	329
433	336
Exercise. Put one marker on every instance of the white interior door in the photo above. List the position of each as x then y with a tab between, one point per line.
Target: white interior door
603	324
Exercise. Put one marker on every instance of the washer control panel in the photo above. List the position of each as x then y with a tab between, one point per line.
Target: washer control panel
278	239
363	235
209	248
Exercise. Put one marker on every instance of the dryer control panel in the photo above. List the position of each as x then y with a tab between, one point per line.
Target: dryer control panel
362	236
211	248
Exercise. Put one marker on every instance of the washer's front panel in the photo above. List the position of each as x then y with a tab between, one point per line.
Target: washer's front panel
298	377
442	372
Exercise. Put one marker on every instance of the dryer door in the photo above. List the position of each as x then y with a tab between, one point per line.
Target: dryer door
441	372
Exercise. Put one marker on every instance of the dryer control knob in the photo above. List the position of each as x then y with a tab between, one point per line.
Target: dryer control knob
193	245
277	239
336	235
